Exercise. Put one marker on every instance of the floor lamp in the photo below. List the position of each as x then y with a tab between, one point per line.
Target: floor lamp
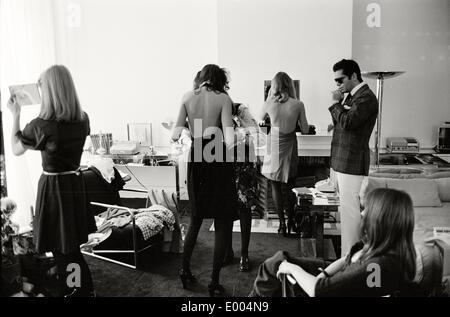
380	76
3	188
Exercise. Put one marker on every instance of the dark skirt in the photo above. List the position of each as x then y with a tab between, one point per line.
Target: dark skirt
62	221
211	184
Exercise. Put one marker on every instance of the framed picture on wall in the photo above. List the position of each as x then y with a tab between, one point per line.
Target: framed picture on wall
140	132
268	83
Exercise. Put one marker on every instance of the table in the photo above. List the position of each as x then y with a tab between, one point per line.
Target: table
171	178
319	207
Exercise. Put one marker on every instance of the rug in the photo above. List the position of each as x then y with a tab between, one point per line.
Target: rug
271	226
258	226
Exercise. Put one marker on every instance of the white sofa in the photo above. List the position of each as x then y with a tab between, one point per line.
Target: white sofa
429	190
430	193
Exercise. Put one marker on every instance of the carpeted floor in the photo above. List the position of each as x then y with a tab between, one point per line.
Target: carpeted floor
159	277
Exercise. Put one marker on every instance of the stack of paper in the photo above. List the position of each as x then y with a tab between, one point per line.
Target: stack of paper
304	195
442	233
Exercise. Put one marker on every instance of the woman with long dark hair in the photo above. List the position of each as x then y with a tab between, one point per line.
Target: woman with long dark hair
281	159
211	179
62	221
382	263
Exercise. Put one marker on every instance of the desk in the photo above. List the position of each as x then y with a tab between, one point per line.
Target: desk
169	178
316	246
152	177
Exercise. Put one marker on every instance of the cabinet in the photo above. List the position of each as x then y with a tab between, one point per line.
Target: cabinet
152	177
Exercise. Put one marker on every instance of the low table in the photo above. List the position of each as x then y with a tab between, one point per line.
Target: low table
319	207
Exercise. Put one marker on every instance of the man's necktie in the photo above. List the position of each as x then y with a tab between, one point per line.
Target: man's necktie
349	99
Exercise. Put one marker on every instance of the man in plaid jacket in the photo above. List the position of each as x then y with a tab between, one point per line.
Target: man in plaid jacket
353	118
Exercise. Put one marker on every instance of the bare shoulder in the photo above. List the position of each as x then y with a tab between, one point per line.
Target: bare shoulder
224	96
268	104
297	104
188	95
225	100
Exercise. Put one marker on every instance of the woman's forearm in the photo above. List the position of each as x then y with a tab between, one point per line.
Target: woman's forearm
336	266
305	280
16	144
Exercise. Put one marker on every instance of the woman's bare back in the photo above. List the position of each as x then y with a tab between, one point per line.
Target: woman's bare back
206	112
286	115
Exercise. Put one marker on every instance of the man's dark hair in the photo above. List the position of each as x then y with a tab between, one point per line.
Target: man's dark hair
214	77
348	67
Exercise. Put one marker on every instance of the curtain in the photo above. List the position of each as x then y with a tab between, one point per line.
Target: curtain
27	47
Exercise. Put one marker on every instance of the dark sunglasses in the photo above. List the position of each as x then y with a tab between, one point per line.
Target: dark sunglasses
340	80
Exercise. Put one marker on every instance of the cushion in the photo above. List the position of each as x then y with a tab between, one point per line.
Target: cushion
369	184
399	170
423	192
439	175
398	175
443	188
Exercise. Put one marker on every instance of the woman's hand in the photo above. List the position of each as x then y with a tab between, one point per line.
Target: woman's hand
286	268
13	105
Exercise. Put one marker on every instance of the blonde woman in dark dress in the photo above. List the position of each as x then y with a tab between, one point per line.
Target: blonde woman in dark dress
62	221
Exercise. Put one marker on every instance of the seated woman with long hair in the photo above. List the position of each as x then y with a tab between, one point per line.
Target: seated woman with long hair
382	263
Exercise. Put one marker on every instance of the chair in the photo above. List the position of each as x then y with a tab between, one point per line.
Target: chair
99	190
104	196
430	268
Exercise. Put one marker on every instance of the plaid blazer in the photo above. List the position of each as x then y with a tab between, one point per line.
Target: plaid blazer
350	152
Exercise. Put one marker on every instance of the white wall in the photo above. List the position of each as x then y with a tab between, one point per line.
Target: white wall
258	38
132	60
414	36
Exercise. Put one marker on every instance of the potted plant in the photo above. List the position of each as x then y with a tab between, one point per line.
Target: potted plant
10	273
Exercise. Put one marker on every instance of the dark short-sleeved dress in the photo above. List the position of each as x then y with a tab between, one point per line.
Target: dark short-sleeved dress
211	183
62	221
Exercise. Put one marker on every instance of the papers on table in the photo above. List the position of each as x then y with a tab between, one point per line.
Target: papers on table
442	233
318	197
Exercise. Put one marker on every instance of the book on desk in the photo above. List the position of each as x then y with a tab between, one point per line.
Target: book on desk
315	196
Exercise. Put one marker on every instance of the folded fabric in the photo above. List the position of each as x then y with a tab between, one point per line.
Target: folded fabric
115	217
153	219
105	166
95	239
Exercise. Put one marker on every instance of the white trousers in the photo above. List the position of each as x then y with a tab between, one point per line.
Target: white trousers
348	187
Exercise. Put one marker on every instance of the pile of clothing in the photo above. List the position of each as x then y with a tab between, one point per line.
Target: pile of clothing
149	220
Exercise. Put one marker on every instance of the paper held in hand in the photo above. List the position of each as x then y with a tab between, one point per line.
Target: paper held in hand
26	95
